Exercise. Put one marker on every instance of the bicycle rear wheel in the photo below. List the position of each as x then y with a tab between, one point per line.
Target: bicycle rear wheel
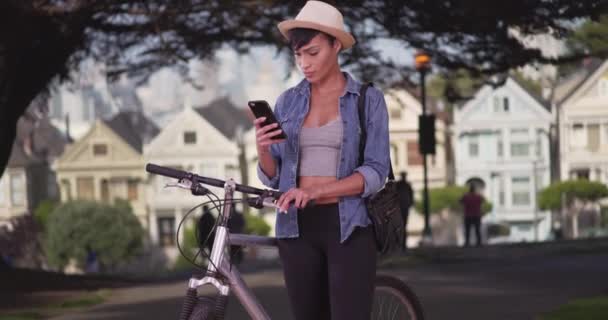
394	300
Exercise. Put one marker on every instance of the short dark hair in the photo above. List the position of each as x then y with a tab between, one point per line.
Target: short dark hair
299	37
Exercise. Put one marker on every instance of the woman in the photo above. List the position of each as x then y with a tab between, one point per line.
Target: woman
327	250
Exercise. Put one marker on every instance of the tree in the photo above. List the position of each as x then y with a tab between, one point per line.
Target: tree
573	196
113	232
43	39
43	211
448	198
590	38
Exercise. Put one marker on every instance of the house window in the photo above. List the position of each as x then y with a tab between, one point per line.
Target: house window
473	146
520	145
413	154
520	149
166	231
189	137
395	113
580	174
85	188
520	191
577	137
501	104
17	185
593	137
100	149
132	190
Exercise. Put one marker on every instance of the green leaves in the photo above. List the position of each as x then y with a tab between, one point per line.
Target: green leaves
550	198
447	198
113	232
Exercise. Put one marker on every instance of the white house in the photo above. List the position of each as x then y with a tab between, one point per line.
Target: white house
501	145
200	140
583	116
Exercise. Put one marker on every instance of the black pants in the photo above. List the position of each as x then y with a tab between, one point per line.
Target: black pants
474	222
327	279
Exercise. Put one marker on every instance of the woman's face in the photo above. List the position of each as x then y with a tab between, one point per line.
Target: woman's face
317	58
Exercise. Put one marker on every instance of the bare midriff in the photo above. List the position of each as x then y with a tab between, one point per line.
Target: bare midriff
312	181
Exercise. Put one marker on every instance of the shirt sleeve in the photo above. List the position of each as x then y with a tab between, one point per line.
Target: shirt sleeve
376	156
275	151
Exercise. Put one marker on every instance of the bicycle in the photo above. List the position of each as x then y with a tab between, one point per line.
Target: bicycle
393	299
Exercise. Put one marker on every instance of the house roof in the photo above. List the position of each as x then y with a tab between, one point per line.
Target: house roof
571	83
226	117
545	103
19	158
135	128
44	139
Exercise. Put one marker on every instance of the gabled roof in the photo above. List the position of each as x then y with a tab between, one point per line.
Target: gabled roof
45	141
19	158
226	117
545	103
570	84
135	128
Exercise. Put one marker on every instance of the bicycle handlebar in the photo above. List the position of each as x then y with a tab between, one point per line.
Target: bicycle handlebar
179	174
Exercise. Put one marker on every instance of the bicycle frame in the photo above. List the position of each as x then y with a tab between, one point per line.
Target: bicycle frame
219	263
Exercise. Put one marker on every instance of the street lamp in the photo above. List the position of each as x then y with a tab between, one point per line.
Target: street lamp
426	139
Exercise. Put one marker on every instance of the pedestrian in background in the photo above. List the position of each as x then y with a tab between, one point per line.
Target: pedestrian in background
471	206
406	200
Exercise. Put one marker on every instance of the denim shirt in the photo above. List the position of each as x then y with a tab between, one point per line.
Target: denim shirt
291	108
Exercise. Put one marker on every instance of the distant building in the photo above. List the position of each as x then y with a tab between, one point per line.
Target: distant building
582	100
502	147
28	178
201	140
108	163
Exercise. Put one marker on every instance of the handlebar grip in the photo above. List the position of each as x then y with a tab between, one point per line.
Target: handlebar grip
164	171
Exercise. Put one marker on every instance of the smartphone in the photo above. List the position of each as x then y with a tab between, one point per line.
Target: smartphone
261	108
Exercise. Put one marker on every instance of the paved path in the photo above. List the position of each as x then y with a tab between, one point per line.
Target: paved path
514	289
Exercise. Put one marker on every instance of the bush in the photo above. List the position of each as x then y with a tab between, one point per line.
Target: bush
448	198
190	247
256	225
550	198
113	232
43	211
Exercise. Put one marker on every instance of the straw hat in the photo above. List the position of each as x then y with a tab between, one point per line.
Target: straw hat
320	16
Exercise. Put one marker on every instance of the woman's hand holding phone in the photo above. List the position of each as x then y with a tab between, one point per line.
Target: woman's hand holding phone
265	133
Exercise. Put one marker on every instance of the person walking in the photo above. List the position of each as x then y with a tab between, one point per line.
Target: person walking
406	200
471	205
327	250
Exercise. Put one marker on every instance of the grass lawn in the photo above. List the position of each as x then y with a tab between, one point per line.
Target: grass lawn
589	309
44	311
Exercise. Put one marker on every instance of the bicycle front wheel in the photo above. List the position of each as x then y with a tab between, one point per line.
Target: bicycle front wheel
394	300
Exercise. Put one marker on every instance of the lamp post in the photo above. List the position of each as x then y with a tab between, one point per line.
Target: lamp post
426	139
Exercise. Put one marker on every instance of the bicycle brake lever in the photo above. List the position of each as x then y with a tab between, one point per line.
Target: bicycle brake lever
183	184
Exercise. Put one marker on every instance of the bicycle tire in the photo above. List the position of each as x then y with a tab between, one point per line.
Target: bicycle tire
204	309
393	299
